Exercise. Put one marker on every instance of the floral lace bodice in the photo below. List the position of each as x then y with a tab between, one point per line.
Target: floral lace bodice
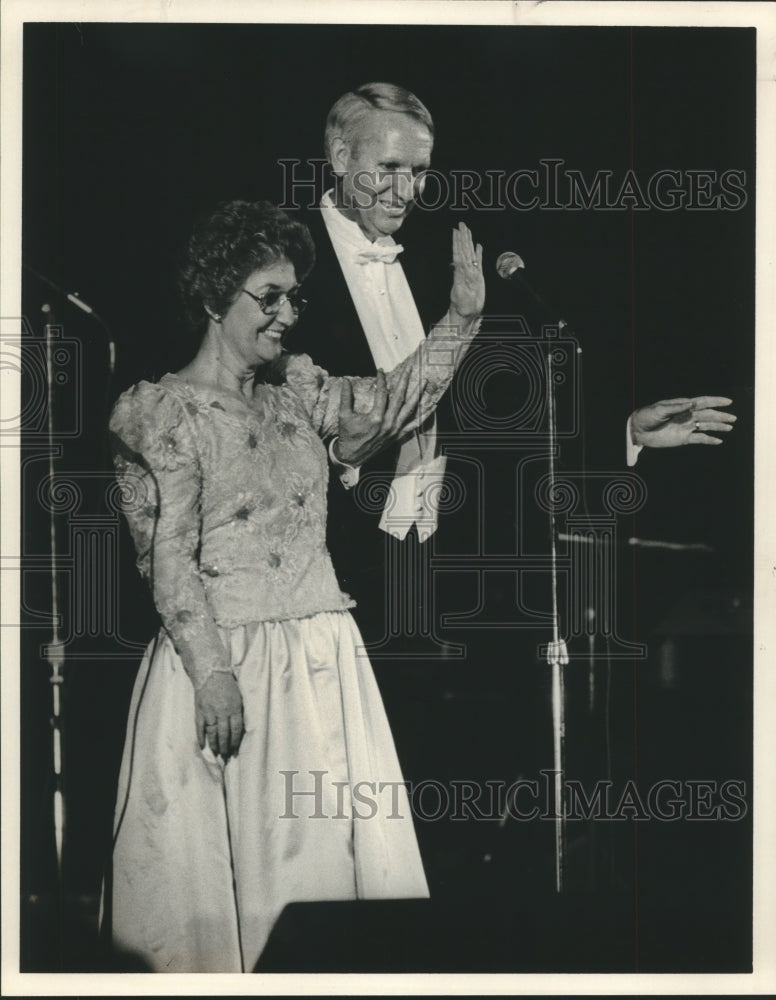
226	497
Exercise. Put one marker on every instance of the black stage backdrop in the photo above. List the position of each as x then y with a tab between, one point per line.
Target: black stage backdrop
132	130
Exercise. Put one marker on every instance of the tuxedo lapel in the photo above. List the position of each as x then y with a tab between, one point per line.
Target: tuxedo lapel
330	330
425	261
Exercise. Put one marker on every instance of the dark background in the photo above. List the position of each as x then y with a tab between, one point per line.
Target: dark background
132	130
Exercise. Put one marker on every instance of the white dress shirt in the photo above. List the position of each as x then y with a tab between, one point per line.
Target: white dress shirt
631	450
393	329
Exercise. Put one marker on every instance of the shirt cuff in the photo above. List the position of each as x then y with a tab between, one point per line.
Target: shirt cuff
348	474
631	450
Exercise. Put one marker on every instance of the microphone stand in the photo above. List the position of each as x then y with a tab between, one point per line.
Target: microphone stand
55	653
510	267
557	654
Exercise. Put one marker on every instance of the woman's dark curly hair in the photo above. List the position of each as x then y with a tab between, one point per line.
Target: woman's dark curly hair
229	244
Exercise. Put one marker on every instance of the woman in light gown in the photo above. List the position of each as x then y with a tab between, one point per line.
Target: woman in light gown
258	767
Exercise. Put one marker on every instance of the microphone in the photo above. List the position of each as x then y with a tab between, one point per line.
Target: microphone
84	307
510	266
73	297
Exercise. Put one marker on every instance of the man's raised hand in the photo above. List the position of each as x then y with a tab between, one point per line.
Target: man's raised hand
467	297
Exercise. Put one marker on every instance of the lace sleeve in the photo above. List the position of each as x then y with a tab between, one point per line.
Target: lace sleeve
432	367
158	470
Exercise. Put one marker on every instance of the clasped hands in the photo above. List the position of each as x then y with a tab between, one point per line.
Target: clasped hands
363	435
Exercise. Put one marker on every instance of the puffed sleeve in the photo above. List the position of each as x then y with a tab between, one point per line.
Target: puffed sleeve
432	366
159	475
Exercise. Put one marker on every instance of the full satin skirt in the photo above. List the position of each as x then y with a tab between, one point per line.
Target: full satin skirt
312	808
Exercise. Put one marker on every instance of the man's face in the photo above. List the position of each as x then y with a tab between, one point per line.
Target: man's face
381	169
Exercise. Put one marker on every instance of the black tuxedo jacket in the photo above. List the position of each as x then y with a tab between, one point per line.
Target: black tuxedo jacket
330	330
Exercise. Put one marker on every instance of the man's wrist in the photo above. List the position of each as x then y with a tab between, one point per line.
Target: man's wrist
460	320
334	456
348	474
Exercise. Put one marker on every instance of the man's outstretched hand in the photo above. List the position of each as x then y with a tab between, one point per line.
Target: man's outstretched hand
674	422
363	435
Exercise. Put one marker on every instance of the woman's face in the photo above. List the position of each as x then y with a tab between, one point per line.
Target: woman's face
251	334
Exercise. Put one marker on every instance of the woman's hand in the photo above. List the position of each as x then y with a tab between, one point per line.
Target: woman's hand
467	298
219	714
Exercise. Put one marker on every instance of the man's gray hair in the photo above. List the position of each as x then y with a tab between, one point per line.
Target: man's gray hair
351	109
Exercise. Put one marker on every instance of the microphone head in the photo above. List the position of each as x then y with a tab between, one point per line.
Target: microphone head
509	263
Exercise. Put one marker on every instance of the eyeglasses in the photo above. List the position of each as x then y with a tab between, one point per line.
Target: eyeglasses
272	302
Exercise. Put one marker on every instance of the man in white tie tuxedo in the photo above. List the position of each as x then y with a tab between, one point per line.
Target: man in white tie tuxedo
365	316
371	303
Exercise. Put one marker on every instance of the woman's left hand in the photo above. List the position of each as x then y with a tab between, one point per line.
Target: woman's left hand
219	714
467	297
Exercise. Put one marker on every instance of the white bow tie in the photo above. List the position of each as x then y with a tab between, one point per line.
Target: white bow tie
384	254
